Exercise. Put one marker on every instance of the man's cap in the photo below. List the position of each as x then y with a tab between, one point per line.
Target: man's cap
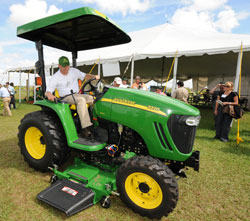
118	80
222	83
64	61
124	79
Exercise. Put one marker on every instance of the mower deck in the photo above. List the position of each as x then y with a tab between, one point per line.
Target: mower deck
67	196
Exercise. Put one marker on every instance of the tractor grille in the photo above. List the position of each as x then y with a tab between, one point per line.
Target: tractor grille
182	134
162	136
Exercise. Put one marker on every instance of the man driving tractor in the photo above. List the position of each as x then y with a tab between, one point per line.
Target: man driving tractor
65	80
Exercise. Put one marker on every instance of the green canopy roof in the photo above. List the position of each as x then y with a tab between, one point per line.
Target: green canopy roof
75	30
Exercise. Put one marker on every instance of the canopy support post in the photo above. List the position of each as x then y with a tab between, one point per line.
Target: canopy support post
132	71
174	77
8	76
74	57
35	85
41	71
237	76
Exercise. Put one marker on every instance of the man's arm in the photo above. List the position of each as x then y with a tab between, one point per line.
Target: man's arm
90	76
214	88
50	96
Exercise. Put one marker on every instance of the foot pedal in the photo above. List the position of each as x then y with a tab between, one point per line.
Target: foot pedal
67	196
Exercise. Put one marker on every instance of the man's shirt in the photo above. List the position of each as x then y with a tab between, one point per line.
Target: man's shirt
4	92
65	83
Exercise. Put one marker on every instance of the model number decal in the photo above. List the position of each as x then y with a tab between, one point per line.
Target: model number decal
69	191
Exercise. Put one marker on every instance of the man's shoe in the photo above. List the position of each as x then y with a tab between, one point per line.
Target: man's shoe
223	140
86	133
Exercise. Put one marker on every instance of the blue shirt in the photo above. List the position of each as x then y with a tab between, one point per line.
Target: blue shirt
11	90
4	92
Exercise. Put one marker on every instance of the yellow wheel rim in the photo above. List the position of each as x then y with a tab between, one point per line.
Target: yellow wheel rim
35	143
143	190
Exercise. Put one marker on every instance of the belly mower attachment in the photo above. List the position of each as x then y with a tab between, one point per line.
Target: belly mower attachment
81	186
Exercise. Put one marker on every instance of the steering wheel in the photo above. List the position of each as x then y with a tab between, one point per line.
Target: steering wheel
92	87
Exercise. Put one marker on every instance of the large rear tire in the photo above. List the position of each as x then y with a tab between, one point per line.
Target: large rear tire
147	186
42	140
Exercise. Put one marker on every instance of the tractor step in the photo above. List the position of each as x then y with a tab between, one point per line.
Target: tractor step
67	196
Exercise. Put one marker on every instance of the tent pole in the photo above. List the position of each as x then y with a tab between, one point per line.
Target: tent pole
99	68
20	82
236	82
174	77
8	76
162	70
132	71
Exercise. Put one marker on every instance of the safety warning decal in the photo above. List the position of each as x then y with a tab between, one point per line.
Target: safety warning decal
69	191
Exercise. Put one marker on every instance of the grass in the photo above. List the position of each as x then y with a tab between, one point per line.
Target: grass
220	191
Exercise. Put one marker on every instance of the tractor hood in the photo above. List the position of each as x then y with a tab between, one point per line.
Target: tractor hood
148	102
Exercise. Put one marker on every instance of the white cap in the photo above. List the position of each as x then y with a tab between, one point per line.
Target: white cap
118	80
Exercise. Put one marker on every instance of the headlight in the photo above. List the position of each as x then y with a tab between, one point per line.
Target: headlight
193	121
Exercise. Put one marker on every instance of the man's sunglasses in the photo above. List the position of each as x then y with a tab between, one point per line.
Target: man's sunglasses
226	86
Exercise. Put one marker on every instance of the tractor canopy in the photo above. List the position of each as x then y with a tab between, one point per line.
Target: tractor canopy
76	30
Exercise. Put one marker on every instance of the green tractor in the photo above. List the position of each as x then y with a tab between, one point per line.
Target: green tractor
144	139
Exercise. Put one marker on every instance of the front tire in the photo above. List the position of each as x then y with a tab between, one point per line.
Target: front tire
147	186
42	140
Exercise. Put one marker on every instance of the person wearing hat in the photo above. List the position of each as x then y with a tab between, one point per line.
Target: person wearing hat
65	80
117	82
138	84
181	93
124	83
5	95
215	93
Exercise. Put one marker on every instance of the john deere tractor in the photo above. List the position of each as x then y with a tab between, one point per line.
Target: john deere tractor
143	140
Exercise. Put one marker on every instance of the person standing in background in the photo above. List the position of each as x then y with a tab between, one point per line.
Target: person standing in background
4	93
223	120
10	87
138	84
124	83
215	93
181	93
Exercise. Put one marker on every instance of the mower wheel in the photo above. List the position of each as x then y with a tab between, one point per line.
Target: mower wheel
53	179
105	202
42	140
147	186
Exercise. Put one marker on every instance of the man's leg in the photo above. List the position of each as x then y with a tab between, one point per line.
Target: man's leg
81	108
6	102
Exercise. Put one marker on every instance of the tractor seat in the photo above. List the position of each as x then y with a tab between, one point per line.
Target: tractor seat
71	106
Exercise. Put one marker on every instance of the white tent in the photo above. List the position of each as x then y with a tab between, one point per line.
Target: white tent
199	54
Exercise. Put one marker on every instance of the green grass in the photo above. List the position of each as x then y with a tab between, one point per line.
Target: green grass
220	191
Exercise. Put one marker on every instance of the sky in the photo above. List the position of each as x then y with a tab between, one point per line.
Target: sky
230	16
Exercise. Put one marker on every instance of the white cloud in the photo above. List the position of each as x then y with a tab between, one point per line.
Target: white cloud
207	5
227	20
243	15
120	6
31	10
212	15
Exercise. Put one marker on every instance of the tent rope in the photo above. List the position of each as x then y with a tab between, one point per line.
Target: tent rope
82	83
126	69
238	138
170	70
